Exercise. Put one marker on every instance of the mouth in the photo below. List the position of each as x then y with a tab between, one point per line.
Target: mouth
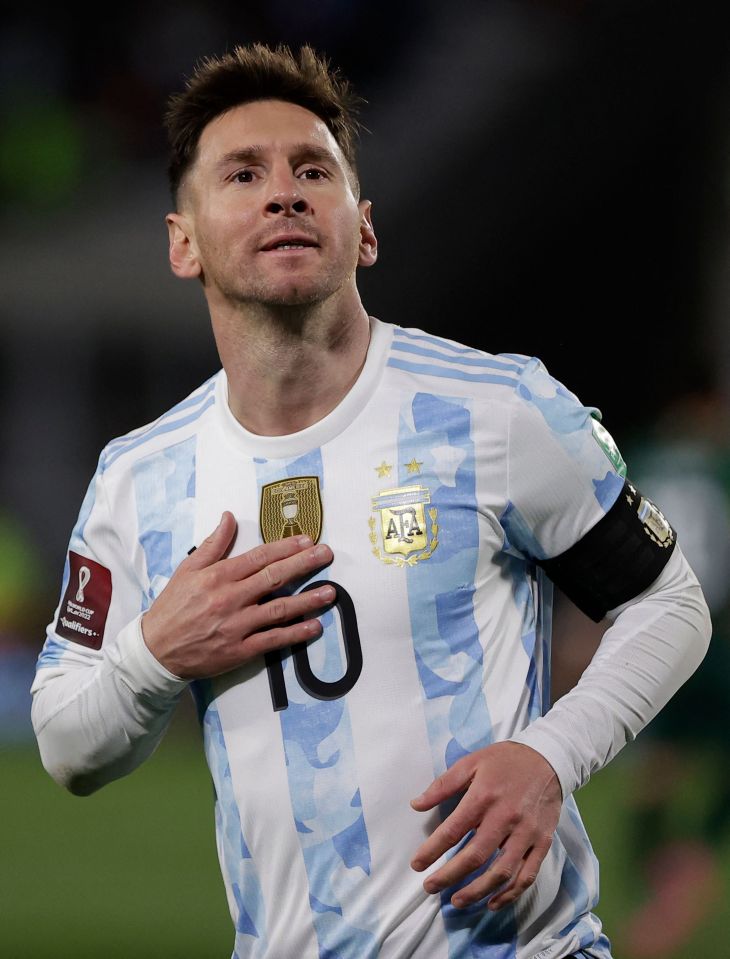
289	243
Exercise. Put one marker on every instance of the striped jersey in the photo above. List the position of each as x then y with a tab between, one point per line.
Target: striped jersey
439	480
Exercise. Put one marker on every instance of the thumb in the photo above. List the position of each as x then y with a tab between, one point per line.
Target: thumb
215	546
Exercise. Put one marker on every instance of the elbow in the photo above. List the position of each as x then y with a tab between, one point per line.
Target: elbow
81	786
65	769
74	781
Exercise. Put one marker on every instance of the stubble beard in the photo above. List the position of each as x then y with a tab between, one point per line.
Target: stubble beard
282	293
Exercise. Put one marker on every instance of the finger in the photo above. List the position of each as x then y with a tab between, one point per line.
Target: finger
475	854
524	877
285	609
255	560
277	638
215	546
500	873
279	573
452	830
454	780
511	873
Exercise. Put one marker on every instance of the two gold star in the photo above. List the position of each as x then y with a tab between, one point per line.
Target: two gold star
385	469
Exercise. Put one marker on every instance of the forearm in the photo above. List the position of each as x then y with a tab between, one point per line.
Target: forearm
654	645
98	719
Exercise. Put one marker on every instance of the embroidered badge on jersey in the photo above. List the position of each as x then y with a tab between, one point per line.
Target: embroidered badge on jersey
655	524
85	605
291	507
609	447
408	527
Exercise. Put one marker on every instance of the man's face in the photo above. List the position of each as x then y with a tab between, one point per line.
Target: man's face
267	212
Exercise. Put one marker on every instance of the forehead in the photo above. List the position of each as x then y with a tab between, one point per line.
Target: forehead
267	125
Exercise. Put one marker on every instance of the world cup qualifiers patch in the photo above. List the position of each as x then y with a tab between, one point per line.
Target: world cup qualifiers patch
85	605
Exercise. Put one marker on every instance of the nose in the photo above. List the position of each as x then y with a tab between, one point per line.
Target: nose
287	202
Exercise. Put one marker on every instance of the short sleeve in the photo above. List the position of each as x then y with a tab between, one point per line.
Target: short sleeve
564	472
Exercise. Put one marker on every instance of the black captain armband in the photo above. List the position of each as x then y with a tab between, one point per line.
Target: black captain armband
616	560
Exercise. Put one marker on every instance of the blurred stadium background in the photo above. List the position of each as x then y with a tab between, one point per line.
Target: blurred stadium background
549	177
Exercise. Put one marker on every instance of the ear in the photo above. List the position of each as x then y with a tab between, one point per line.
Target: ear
184	260
368	240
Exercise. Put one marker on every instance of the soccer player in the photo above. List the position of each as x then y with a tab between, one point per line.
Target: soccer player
344	544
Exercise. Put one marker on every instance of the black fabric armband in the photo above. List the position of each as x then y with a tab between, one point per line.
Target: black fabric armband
616	560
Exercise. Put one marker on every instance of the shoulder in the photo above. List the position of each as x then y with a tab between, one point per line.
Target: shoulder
170	428
446	361
519	380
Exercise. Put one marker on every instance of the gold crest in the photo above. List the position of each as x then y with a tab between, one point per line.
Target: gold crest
406	534
291	507
656	526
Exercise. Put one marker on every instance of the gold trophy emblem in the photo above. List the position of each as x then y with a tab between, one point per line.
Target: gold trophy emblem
291	507
289	510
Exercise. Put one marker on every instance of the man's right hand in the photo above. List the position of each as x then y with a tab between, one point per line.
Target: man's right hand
209	618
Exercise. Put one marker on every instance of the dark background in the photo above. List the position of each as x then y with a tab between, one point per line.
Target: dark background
549	177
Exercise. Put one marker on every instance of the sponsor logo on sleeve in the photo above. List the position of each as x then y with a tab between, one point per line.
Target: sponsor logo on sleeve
85	604
609	447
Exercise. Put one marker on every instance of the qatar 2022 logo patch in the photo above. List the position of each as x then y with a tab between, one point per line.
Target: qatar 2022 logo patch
85	604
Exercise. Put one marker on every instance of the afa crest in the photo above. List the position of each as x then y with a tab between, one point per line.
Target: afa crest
408	527
291	507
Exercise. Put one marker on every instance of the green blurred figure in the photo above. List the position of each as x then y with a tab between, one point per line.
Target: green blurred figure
676	829
21	595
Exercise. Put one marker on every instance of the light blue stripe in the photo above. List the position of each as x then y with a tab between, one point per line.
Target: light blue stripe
52	652
519	358
323	784
78	536
437	341
54	647
484	362
444	631
241	872
198	397
164	489
452	374
575	886
160	430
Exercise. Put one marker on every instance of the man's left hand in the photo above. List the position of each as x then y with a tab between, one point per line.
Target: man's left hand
512	800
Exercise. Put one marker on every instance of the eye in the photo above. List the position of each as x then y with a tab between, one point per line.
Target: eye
313	173
242	176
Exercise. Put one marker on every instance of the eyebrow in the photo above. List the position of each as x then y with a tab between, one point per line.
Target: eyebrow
298	152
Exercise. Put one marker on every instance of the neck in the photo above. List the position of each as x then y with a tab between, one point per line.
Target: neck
288	367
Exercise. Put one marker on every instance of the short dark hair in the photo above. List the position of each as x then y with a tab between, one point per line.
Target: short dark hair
259	72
